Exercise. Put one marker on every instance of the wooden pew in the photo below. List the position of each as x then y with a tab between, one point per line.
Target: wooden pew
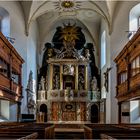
120	136
27	128
49	132
87	132
112	130
24	135
31	136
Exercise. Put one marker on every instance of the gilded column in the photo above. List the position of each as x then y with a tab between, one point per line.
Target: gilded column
61	77
51	76
76	78
86	77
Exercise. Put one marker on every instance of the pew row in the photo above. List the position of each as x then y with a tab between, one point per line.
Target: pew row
18	135
109	131
38	130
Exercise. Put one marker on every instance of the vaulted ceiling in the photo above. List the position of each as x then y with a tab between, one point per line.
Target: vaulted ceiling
88	11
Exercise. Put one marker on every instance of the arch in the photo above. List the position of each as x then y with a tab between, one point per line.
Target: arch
4	21
34	14
94	113
134	20
43	108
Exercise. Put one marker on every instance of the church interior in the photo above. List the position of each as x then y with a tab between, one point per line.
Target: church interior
70	69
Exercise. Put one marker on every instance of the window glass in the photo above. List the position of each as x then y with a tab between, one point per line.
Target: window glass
103	49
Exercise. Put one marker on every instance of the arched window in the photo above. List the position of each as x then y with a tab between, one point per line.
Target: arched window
4	22
134	20
103	49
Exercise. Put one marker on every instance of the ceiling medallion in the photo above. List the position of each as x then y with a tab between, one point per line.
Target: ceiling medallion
67	5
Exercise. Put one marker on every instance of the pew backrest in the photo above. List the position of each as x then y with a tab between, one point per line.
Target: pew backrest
31	136
87	132
49	132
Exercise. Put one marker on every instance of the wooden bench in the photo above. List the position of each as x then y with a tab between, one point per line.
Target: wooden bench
15	135
120	136
87	132
31	136
49	132
111	131
27	128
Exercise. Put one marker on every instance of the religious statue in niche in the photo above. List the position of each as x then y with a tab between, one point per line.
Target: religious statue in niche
87	54
56	77
31	105
56	81
42	83
95	93
81	82
94	84
81	77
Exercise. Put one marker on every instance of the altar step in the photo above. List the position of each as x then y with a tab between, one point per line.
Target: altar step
69	133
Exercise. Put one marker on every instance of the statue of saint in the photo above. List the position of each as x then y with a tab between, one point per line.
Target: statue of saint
57	81
42	82
87	54
94	84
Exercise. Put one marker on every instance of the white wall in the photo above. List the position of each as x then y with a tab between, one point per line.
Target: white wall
118	39
104	94
25	45
31	53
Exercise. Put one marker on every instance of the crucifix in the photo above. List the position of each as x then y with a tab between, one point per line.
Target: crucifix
106	74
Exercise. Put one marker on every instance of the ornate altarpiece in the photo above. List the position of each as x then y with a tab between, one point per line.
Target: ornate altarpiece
67	67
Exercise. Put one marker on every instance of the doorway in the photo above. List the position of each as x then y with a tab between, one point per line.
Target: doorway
43	109
94	113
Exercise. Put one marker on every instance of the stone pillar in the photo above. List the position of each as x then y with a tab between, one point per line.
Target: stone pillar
51	77
86	77
76	78
61	77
